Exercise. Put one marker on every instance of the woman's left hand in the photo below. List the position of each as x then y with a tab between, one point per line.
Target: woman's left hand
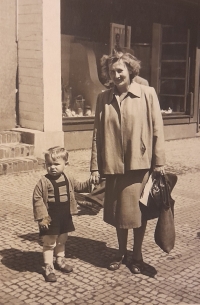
159	169
94	178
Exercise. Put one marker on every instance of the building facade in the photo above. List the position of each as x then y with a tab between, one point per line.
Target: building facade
50	65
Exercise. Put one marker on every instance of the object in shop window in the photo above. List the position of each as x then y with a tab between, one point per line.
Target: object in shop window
80	112
88	111
68	113
66	97
79	105
167	111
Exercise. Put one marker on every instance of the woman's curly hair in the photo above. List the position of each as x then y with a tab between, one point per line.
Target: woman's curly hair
132	63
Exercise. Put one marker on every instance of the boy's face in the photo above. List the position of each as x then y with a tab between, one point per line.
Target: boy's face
55	168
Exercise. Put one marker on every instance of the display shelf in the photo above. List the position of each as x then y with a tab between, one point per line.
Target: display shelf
173	60
172	95
78	123
174	43
175	78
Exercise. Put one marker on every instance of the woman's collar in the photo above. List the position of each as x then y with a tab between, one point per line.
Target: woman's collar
134	88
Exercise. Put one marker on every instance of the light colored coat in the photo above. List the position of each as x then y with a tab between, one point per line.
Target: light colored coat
40	196
129	137
140	80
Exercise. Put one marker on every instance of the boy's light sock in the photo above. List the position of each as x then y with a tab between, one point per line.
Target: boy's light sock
60	260
48	257
49	269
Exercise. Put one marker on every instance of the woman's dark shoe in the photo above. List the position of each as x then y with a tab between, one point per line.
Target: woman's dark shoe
115	264
137	266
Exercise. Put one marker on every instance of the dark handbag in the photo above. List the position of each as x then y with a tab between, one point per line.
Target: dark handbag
93	201
153	207
165	229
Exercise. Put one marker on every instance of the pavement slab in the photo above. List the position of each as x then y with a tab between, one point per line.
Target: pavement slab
168	278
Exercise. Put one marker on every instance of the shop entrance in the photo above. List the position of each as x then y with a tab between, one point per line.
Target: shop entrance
165	44
171	69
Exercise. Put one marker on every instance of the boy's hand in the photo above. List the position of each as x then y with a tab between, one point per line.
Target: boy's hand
45	222
94	177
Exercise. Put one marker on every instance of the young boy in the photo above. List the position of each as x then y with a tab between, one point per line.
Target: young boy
53	205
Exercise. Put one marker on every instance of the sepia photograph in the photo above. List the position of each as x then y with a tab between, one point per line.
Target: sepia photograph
100	152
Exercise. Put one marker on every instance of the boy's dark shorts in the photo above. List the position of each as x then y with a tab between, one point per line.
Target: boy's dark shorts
61	219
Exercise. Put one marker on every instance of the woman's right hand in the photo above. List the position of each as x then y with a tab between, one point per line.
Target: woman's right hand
94	177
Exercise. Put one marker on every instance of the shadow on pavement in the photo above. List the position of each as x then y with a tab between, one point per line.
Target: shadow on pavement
87	250
98	254
32	237
22	261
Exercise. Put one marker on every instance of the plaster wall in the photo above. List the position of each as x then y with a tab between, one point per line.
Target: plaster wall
181	131
31	92
8	64
78	140
52	66
39	65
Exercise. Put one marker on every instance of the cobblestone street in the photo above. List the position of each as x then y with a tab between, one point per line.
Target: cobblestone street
168	279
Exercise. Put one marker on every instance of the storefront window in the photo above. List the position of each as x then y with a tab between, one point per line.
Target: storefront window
173	68
74	107
174	64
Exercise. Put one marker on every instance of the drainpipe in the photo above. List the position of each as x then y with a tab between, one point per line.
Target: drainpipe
17	68
198	62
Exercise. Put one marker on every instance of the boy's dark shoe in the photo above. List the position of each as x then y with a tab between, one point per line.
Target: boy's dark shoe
61	265
50	274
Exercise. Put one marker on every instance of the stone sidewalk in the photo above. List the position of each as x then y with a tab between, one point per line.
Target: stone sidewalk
168	279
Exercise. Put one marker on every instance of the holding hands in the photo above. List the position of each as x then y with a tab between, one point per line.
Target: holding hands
95	177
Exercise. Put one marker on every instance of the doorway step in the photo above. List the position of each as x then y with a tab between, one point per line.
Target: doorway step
16	156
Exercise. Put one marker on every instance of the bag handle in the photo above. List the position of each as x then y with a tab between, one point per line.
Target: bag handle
165	193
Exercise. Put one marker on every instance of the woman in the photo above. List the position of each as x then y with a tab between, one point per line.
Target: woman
128	143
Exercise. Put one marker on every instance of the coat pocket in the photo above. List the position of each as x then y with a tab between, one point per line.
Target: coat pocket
142	147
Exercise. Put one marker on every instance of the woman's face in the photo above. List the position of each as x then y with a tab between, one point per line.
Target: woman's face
119	74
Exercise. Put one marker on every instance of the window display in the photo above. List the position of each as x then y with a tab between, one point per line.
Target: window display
170	75
173	74
120	36
76	107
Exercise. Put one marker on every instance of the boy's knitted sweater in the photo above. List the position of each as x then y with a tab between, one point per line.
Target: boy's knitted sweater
40	195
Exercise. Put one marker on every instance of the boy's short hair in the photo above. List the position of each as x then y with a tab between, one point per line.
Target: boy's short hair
57	152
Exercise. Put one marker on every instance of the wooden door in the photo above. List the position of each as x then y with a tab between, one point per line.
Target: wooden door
170	68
